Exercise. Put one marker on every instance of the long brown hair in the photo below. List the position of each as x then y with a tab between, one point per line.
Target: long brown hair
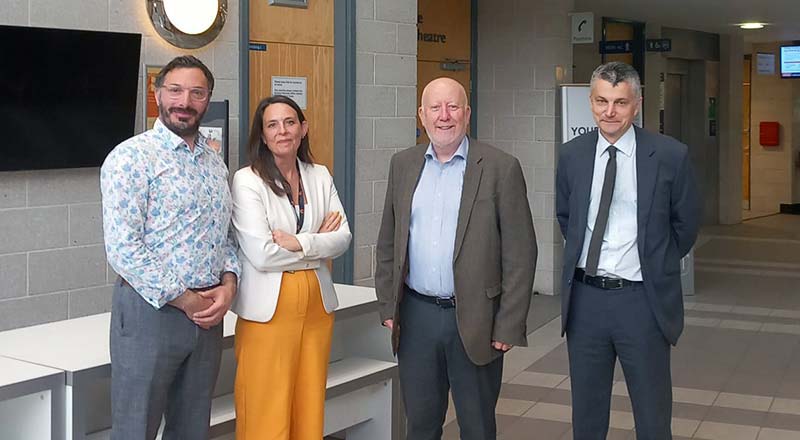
261	159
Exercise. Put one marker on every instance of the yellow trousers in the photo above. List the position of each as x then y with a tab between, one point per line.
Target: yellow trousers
283	365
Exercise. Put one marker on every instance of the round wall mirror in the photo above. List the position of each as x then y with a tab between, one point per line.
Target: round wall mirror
188	24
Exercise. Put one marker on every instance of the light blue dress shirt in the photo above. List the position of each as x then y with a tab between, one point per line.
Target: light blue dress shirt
434	218
166	215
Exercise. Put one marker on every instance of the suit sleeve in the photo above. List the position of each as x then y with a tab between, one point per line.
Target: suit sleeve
384	253
325	245
562	194
253	230
519	251
685	207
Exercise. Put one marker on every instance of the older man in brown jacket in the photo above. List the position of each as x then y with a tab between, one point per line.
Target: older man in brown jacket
456	258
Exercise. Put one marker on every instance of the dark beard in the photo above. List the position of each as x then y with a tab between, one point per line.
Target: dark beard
182	129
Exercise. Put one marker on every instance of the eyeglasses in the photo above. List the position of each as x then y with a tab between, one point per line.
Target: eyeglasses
196	94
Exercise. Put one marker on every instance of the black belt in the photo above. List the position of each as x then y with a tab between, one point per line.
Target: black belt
605	283
445	303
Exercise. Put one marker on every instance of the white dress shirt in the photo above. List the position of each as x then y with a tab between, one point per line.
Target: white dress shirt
619	255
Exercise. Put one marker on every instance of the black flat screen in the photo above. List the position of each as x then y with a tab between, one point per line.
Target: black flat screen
67	97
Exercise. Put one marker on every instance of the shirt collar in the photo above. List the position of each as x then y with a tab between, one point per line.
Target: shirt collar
169	138
625	144
463	149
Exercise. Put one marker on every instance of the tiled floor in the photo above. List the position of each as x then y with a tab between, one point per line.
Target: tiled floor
736	369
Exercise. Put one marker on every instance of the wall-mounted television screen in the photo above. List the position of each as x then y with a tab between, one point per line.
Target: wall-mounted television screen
67	97
790	61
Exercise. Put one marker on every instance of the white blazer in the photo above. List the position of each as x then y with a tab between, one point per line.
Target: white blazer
257	211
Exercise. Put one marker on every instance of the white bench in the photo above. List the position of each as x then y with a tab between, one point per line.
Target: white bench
31	401
361	388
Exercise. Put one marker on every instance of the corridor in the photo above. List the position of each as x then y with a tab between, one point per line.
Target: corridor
736	369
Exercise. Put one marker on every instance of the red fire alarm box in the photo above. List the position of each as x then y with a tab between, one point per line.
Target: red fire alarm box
768	134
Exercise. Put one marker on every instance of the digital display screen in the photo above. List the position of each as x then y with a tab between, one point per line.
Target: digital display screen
790	62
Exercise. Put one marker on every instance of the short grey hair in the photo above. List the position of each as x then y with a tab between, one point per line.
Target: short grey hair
616	72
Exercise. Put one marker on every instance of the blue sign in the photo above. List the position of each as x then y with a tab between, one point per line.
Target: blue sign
620	46
659	45
260	47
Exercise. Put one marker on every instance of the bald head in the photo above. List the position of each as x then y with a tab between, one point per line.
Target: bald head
444	85
444	113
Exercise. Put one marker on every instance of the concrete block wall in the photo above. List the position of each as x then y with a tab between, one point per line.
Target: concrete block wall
771	168
386	95
524	51
52	259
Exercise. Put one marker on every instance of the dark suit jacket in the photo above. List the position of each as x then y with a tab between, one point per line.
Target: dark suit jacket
495	249
668	218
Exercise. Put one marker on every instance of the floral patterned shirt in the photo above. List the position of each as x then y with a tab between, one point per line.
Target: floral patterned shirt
166	215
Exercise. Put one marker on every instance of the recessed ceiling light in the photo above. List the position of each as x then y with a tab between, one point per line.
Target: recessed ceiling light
751	25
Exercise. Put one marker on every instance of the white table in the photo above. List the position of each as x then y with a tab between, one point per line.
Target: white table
80	348
31	401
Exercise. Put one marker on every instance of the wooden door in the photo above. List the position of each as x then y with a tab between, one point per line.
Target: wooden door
443	39
616	31
297	43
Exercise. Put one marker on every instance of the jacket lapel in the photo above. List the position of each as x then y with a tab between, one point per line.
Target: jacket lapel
469	190
583	189
646	174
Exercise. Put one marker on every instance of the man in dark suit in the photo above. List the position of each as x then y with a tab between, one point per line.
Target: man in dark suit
456	257
628	208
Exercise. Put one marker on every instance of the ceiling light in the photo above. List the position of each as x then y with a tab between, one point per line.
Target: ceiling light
751	25
192	16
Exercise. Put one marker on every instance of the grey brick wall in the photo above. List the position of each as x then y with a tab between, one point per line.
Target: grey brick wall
386	78
522	44
52	262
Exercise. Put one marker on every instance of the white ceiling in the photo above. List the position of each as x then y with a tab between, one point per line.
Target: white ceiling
716	16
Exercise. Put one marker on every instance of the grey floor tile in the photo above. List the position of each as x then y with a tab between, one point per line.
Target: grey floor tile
782	421
523	392
561	397
504	421
789	389
619	434
551	363
735	416
689	411
535	429
703	380
621	403
753	383
450	431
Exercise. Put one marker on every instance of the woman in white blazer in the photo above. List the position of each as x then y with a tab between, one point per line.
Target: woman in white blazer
289	222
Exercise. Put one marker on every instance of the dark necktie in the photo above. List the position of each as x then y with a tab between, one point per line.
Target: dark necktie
600	223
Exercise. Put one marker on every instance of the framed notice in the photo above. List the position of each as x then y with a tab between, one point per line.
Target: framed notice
765	63
295	87
150	106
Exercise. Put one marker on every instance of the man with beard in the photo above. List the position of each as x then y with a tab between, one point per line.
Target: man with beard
166	218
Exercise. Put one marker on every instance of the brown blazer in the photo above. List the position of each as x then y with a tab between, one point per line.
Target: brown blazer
494	259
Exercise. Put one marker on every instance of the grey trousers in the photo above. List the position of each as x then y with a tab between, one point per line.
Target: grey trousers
161	364
432	361
605	325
